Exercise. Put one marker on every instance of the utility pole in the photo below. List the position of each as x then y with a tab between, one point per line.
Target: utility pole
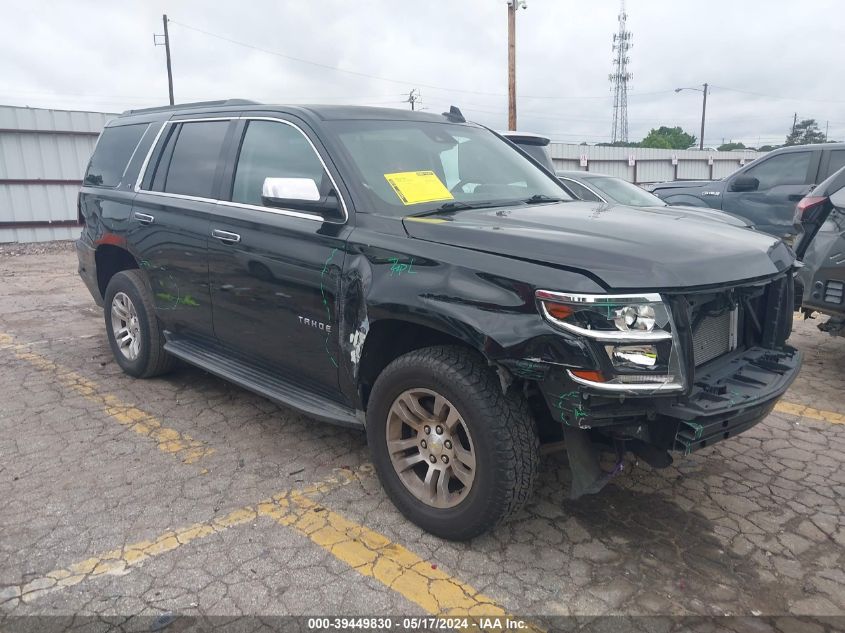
703	114
794	122
413	97
826	129
703	90
513	5
166	45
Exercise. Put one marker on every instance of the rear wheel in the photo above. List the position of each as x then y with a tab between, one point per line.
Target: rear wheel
455	454
133	330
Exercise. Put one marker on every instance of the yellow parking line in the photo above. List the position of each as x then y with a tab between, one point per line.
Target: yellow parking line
373	554
368	552
809	412
119	561
168	440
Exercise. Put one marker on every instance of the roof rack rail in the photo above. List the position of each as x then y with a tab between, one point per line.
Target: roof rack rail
195	104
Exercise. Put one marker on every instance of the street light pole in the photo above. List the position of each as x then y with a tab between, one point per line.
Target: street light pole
704	90
703	114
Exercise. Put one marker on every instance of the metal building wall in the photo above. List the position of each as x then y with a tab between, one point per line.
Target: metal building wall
650	165
43	154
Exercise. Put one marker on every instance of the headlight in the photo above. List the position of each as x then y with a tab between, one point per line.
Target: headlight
634	331
608	317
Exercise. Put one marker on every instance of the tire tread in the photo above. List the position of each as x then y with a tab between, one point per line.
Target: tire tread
508	419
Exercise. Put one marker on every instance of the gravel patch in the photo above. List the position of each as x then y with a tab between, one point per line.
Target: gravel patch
15	249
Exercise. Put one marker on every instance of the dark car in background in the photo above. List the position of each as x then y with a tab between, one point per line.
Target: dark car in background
595	187
766	190
821	245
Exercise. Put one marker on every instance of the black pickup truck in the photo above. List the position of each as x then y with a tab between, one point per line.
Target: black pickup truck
420	277
765	191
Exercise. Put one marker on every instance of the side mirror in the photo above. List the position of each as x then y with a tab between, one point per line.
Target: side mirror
300	194
745	183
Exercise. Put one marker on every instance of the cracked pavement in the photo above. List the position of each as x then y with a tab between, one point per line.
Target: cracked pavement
188	495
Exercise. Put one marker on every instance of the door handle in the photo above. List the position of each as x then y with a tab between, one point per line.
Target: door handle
143	218
225	236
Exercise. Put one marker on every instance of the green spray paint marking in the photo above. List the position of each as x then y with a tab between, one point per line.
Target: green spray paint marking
187	300
326	303
396	268
576	409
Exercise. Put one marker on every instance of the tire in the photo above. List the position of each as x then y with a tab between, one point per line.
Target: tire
127	295
497	429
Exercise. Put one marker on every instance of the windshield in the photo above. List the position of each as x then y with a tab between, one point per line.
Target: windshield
411	167
624	192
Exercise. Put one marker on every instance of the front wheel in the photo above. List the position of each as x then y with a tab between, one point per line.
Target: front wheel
455	454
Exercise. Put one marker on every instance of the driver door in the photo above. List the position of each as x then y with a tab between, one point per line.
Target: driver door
275	273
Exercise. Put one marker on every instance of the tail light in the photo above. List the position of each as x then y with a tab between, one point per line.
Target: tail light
807	204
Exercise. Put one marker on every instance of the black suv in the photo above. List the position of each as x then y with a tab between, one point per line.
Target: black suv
419	276
765	191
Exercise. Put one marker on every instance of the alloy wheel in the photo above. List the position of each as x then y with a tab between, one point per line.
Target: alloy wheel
125	326
430	448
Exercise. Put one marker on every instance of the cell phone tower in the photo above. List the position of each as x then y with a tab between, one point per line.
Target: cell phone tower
620	77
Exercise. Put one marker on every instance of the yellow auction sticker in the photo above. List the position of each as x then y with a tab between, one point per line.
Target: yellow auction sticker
414	187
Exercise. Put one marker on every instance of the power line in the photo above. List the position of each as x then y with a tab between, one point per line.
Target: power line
382	78
768	96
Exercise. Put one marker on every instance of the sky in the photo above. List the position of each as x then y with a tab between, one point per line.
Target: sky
765	59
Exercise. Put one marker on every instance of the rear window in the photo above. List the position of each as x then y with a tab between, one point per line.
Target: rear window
189	160
112	154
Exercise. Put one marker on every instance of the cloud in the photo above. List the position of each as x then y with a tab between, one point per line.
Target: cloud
94	55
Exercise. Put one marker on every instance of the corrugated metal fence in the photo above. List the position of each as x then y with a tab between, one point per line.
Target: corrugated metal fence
43	154
646	165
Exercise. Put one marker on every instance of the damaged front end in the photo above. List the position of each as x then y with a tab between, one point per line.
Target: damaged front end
667	372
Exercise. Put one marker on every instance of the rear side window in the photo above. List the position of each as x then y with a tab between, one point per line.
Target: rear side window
836	161
582	192
785	169
188	163
112	154
273	150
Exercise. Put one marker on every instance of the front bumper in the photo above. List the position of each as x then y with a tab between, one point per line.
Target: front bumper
729	395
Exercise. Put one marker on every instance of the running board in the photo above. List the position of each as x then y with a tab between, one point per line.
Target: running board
262	382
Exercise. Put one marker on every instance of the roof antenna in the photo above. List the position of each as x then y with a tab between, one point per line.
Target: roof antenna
454	115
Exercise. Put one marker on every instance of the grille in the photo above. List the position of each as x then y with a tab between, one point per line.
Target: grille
833	291
713	337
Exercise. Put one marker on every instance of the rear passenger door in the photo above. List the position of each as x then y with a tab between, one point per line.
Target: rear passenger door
275	273
783	180
169	227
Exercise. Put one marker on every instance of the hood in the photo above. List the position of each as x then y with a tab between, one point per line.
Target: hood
702	213
682	184
625	247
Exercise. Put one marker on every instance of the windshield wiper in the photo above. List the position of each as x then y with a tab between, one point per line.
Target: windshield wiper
540	197
453	207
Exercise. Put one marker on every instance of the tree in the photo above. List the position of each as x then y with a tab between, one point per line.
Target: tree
727	147
668	138
767	148
805	132
619	144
